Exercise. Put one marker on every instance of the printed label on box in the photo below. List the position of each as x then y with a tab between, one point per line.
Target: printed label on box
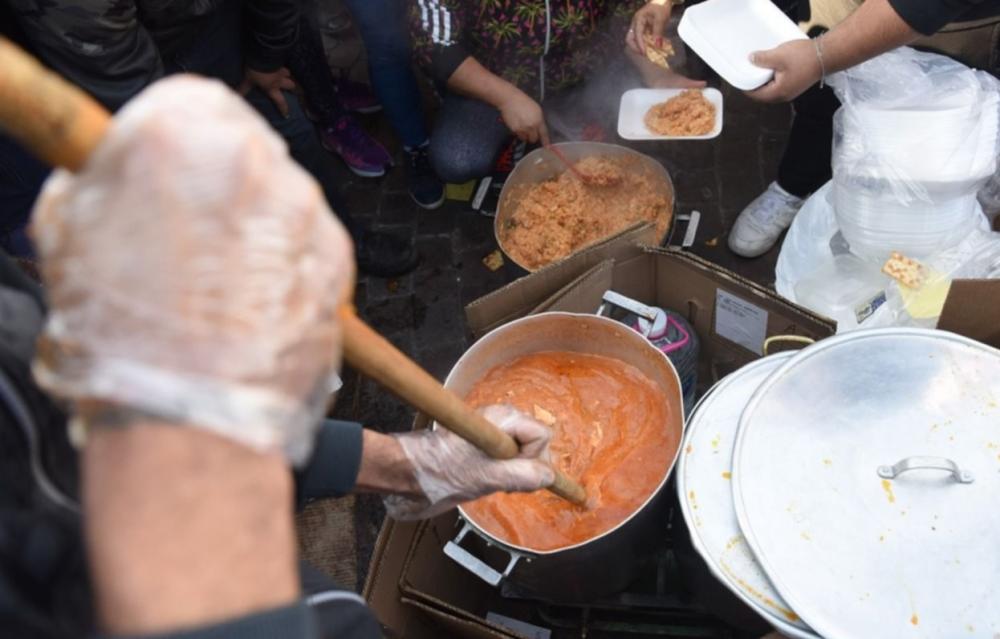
740	321
520	627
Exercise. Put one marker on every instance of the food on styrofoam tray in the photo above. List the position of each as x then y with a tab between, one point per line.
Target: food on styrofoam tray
610	432
686	114
559	216
725	32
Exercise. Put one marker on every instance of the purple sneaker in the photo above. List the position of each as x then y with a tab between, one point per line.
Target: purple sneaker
360	151
357	97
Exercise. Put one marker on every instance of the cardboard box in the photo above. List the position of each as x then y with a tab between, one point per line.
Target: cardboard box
416	591
972	308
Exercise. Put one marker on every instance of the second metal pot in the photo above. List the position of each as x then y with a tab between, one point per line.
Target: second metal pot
541	165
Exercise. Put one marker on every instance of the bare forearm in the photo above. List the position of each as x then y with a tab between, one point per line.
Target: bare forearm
385	467
184	528
871	30
476	81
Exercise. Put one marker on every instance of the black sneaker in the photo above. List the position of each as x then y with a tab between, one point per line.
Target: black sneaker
426	188
385	254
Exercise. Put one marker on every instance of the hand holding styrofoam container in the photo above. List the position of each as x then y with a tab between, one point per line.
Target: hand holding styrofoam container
725	32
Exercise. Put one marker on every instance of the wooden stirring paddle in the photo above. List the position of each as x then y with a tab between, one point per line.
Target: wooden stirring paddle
586	178
63	125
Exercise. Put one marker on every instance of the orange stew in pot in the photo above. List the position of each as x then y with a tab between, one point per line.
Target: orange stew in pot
611	433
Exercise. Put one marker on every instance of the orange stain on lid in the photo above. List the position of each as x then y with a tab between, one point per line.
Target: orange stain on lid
727	475
761	597
915	620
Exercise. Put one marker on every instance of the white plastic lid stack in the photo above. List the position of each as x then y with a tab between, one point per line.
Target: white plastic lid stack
876	226
917	136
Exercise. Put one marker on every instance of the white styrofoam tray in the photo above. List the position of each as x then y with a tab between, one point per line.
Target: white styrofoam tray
636	103
725	32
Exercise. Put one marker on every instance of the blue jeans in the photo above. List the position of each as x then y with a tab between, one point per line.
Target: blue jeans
468	137
383	28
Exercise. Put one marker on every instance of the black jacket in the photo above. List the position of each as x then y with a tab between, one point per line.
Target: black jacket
930	16
115	48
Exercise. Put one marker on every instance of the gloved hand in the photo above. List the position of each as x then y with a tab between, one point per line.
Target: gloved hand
451	471
193	271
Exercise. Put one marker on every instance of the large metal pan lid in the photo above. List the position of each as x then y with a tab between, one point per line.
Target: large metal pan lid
704	485
866	476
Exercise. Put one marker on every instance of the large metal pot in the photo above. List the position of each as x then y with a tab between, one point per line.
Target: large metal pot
541	165
607	563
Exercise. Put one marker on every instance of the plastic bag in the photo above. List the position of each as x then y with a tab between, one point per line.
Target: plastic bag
917	136
818	269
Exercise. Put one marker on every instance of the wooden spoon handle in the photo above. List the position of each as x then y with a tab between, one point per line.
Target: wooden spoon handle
52	118
374	356
554	150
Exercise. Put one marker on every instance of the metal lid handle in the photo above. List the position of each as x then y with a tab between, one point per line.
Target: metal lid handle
926	463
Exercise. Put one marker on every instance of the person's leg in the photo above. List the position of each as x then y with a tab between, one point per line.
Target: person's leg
217	52
805	164
339	132
377	253
382	24
467	138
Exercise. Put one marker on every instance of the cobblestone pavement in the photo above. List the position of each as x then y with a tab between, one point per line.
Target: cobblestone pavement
422	313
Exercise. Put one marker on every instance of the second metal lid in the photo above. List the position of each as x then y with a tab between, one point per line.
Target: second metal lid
704	486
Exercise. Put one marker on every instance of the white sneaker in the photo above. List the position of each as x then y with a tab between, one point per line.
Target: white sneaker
760	224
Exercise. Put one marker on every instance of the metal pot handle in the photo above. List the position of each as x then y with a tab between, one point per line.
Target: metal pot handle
474	564
926	463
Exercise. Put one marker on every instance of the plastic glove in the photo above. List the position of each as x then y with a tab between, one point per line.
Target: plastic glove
193	271
451	471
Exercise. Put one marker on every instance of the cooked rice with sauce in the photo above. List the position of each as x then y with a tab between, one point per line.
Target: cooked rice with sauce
686	114
560	216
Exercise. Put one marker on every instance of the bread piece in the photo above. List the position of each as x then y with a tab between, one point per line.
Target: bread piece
658	55
493	261
905	270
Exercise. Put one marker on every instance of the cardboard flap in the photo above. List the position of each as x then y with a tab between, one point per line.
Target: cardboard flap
595	281
518	297
381	589
973	309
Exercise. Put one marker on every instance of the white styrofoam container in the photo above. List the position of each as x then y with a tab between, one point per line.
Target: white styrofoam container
636	103
725	32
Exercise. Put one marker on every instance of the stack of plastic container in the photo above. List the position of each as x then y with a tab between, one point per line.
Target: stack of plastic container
916	137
